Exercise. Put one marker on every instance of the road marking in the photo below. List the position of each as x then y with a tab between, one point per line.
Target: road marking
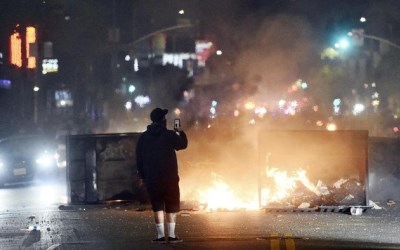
275	242
53	247
289	241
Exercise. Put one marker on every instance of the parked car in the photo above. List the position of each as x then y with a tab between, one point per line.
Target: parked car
25	158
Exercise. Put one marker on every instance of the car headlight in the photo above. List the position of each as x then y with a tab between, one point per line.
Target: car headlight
45	160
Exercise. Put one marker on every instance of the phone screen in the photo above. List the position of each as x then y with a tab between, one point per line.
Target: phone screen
177	123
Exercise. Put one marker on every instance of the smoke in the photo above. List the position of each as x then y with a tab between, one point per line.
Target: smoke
279	53
268	60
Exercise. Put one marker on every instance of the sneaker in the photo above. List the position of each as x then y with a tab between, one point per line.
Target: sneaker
159	240
174	240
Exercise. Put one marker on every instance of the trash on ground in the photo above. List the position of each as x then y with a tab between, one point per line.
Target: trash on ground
304	205
374	205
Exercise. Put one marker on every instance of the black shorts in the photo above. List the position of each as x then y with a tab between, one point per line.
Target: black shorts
164	196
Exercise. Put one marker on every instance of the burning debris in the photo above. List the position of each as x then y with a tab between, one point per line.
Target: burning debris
282	191
299	192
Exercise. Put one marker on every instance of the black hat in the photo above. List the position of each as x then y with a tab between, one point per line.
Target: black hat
157	115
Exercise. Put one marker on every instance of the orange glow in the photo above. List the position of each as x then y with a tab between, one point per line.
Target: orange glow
221	197
249	105
281	185
30	35
16	46
30	39
331	126
284	184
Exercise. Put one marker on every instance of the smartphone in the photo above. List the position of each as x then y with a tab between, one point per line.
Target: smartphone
177	123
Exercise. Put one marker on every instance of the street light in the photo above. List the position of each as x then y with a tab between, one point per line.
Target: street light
342	44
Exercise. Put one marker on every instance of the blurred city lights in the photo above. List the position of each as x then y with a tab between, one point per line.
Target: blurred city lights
127	58
343	44
213	111
214	103
375	103
358	108
396	129
236	113
181	12
177	112
330	53
304	85
331	126
131	88
260	111
337	102
249	105
219	52
281	103
336	110
128	105
142	100
36	88
363	19
136	65
336	106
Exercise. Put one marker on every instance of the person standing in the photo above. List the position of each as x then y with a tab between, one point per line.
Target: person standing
158	167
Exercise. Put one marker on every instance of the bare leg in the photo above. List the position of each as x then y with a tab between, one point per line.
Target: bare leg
159	217
171	217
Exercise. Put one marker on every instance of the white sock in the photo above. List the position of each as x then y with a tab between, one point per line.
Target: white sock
160	230
171	229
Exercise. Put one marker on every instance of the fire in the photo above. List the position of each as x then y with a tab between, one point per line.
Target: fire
283	184
221	197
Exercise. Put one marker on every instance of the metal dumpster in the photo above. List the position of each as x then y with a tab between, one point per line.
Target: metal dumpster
384	168
102	167
331	169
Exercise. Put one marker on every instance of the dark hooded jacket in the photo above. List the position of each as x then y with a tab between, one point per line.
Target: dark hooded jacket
155	153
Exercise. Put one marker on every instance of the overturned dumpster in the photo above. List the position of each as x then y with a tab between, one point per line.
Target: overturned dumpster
308	171
102	167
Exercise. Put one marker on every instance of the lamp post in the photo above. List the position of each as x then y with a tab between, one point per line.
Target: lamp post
361	35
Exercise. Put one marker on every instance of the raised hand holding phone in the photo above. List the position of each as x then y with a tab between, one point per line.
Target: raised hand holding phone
177	124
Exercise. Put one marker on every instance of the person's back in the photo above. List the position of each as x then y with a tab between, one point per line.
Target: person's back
158	167
157	147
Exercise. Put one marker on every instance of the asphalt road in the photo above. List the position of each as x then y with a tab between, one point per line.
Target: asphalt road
130	226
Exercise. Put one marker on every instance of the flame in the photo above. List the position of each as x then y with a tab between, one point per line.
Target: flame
221	197
284	185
